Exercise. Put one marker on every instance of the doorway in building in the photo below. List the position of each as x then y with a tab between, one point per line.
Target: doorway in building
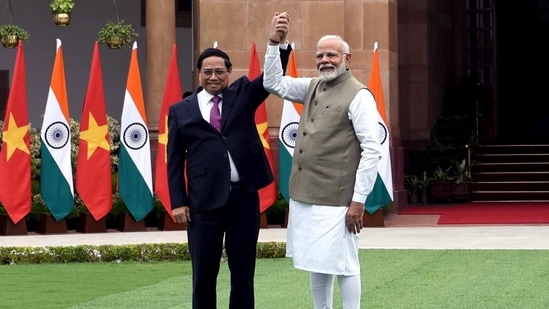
522	55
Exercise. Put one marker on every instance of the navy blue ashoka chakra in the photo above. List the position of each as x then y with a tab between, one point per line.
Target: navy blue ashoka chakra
135	136
57	135
289	134
382	133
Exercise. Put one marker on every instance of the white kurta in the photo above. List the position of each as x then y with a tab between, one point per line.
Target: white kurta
318	240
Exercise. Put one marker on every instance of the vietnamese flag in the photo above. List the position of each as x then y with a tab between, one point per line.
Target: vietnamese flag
382	192
172	94
267	195
15	162
93	168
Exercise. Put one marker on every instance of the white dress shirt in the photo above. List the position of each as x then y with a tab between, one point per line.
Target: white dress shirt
205	104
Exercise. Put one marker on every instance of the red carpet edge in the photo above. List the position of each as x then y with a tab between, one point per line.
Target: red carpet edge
484	212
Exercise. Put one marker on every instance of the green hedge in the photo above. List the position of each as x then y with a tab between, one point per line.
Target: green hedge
117	253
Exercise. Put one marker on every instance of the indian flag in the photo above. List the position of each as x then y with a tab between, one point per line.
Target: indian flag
289	122
56	183
135	171
382	193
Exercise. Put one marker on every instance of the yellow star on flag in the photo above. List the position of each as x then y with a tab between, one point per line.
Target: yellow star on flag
14	137
163	138
261	128
95	136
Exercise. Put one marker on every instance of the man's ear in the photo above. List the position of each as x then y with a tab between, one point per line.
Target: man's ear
347	59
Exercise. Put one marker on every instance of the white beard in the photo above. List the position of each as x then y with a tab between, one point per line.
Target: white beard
329	76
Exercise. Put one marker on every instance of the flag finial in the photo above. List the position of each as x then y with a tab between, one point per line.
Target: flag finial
375	46
215	44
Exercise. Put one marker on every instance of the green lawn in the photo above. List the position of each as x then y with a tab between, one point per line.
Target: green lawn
391	279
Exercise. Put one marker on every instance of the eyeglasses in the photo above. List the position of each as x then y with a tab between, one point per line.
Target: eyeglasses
218	72
329	55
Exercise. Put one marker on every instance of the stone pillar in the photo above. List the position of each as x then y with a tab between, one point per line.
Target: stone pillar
160	31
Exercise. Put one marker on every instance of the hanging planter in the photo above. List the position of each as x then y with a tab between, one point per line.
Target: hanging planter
62	19
116	35
61	10
11	34
114	42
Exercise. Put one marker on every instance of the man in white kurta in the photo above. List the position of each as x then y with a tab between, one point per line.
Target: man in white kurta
334	168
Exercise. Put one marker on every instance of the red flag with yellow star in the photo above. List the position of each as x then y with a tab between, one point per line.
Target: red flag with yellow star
93	168
172	94
15	161
267	195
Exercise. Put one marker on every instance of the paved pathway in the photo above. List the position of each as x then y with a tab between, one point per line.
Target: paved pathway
389	237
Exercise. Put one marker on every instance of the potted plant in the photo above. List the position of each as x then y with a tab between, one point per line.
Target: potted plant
61	10
424	184
116	35
463	180
442	186
11	34
412	183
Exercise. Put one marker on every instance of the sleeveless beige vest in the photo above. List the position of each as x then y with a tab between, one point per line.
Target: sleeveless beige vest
327	152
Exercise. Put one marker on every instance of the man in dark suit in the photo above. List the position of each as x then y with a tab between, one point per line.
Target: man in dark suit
214	174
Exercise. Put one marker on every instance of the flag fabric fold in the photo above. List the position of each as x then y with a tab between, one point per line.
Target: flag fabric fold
382	193
135	171
15	155
93	168
289	123
56	180
267	195
172	94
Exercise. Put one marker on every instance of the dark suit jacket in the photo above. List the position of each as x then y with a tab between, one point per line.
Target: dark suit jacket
193	142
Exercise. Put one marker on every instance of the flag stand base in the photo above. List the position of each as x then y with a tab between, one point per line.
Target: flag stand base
87	224
374	220
263	220
126	223
8	228
48	225
167	224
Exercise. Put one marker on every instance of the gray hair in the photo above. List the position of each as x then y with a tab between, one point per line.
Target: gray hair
346	49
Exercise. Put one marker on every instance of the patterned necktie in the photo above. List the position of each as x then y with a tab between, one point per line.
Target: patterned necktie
215	115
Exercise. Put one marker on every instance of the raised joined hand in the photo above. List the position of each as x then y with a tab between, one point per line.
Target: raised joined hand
280	26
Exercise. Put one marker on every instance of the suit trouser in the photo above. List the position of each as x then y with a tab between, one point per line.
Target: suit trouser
238	222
